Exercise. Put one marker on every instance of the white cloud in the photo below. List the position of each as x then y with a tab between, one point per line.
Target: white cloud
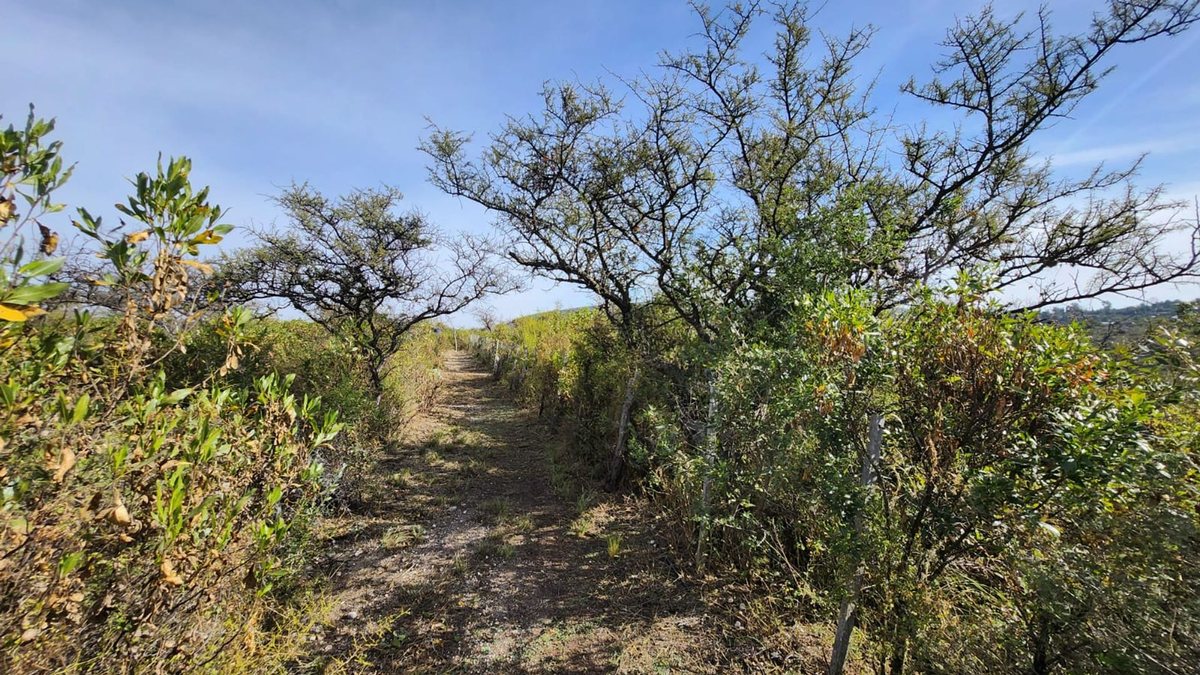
1171	145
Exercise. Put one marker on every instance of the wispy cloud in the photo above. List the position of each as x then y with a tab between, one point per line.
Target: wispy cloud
1118	152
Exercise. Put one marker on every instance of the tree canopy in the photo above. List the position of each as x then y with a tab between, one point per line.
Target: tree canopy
360	269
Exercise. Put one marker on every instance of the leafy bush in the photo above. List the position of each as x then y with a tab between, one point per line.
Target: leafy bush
147	521
568	365
322	366
1031	496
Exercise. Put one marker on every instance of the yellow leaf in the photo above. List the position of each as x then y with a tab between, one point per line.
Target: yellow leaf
207	237
195	264
11	313
137	237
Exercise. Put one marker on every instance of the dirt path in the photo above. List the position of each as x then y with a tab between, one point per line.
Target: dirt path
484	557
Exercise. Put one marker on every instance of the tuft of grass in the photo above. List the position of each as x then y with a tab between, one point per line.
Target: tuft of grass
520	524
585	500
440	437
402	478
270	650
614	545
468	438
583	526
498	508
561	481
402	536
496	544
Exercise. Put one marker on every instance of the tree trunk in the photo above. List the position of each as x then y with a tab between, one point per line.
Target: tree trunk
896	663
1041	663
495	359
848	613
375	377
616	463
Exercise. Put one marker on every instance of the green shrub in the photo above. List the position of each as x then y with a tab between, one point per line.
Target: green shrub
1026	501
145	521
1034	498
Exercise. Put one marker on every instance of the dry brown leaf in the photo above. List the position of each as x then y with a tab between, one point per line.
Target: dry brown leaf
49	240
169	575
65	461
195	264
119	515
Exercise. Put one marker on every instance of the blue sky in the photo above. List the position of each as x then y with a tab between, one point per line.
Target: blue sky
337	93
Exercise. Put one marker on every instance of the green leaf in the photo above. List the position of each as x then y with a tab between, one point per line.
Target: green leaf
39	268
69	562
28	295
176	396
81	409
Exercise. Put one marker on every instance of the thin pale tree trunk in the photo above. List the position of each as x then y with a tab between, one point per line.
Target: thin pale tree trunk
848	613
495	357
616	463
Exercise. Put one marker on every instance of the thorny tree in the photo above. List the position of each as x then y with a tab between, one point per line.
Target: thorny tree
362	271
729	187
730	184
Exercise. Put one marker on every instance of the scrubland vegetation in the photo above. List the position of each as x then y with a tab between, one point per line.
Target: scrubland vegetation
1029	500
816	352
809	353
163	458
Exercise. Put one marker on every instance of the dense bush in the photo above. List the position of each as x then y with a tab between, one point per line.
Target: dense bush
799	292
148	521
323	366
1031	496
572	367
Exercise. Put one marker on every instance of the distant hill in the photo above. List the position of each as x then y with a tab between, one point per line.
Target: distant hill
1115	326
